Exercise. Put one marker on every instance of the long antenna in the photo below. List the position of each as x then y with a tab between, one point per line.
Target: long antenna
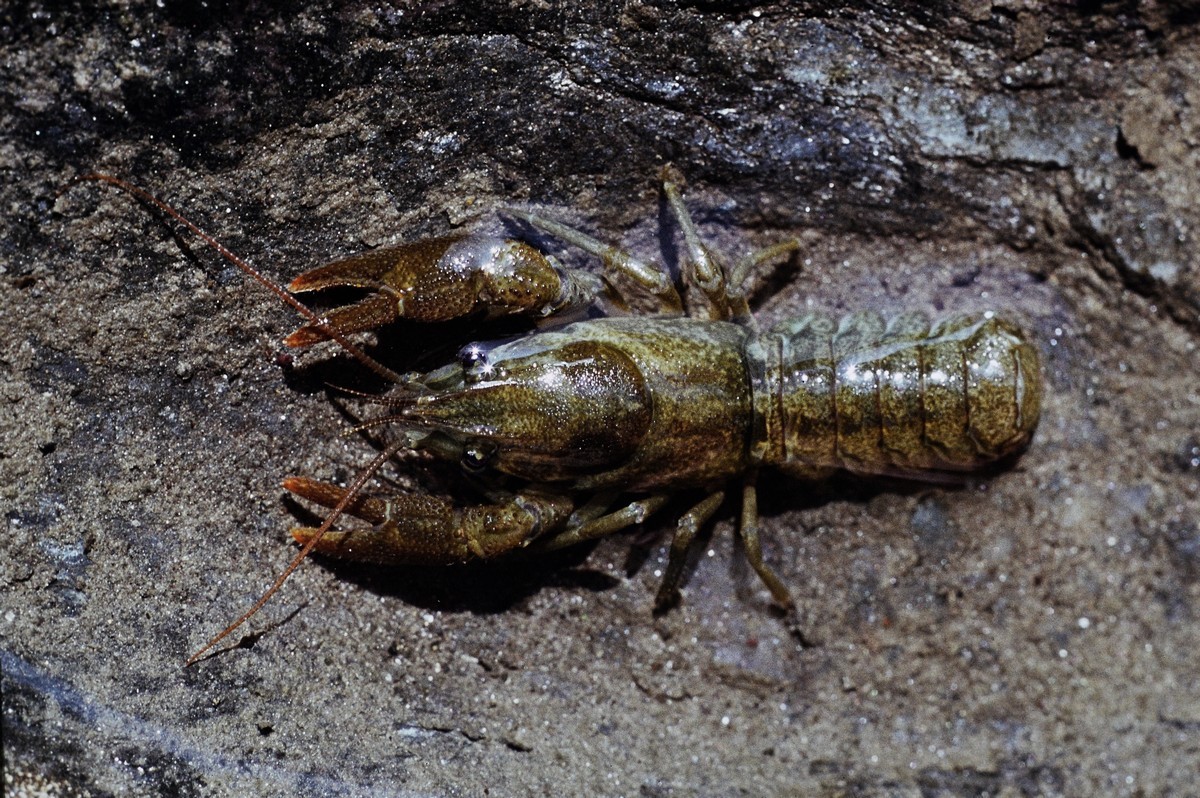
316	320
350	495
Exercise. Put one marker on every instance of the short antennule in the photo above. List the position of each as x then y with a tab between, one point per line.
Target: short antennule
314	319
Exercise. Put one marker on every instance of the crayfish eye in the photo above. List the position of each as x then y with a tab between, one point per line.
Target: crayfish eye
473	359
478	458
472	356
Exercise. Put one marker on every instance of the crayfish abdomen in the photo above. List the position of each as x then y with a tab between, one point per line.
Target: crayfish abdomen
898	397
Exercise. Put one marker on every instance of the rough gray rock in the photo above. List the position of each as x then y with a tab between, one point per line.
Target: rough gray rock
1030	634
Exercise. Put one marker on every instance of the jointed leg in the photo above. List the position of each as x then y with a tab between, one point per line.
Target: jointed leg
685	533
743	267
738	307
749	532
725	291
652	279
634	513
703	268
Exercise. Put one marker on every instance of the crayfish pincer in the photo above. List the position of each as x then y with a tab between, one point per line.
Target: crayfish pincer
575	431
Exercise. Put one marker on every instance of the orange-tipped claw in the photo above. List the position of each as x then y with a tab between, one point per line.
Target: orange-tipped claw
366	314
441	279
419	529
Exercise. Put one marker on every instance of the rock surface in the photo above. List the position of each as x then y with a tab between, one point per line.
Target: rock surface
1031	633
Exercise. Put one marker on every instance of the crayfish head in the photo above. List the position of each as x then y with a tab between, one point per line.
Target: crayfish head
548	413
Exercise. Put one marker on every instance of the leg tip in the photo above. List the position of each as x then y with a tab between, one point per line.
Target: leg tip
665	601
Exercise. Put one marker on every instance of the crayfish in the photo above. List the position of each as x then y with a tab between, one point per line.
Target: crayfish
575	431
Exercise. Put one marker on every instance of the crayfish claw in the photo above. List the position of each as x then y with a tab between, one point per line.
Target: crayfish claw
366	314
442	279
367	508
420	529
